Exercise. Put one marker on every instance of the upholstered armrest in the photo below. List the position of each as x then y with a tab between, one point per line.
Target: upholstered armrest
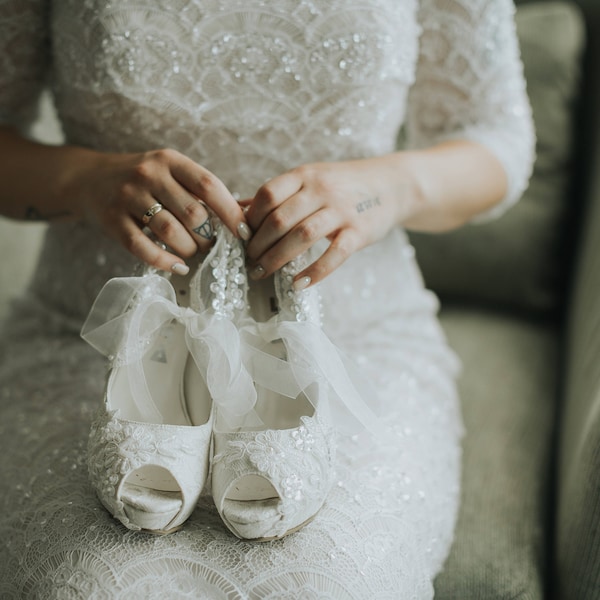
578	516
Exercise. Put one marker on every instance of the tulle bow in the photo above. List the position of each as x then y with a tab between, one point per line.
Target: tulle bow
130	311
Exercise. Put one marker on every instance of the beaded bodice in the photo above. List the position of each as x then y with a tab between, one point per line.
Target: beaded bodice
256	88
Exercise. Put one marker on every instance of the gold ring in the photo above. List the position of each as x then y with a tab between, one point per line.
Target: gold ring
153	210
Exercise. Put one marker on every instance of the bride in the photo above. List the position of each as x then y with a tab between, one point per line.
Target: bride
279	117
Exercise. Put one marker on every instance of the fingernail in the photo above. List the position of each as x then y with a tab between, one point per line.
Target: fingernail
301	284
257	272
180	269
244	231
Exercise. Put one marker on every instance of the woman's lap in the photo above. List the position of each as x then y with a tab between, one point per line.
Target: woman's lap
385	527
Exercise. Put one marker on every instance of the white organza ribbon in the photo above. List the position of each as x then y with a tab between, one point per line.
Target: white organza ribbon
130	311
311	358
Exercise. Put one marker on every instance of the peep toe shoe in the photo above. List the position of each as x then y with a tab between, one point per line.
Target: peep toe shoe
149	446
272	474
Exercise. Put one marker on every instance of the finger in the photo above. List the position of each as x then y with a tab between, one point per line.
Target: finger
210	189
302	237
191	212
167	228
204	233
136	242
343	245
282	221
270	195
245	206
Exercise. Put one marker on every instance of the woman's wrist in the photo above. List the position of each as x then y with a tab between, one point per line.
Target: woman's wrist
398	182
80	177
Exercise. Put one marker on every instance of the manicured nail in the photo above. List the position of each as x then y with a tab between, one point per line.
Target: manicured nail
180	269
244	231
257	272
301	284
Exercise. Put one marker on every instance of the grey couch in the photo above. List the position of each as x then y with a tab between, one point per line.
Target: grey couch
521	300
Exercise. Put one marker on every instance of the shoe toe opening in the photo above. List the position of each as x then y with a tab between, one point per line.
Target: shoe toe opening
251	507
151	497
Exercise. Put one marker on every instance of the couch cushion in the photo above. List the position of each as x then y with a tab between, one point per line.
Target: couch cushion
508	388
518	260
577	562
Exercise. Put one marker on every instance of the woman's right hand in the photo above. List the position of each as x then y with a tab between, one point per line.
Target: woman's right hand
115	191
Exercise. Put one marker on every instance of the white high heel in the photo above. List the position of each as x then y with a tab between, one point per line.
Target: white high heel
149	448
269	480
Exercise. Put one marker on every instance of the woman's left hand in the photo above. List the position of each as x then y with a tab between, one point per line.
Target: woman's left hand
348	203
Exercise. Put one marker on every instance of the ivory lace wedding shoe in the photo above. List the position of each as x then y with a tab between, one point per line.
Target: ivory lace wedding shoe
272	474
149	449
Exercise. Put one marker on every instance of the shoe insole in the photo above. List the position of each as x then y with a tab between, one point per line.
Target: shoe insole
174	382
176	385
251	487
163	365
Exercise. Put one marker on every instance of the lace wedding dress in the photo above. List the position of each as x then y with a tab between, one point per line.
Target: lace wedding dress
249	89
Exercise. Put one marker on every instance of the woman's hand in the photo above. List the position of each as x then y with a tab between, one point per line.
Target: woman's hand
118	192
349	203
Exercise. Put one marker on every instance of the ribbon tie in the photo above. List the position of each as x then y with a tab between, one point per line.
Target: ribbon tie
130	311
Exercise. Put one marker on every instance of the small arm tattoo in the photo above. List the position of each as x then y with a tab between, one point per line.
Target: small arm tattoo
34	214
368	204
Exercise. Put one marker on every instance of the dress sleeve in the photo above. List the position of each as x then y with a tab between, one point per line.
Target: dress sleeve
24	58
470	85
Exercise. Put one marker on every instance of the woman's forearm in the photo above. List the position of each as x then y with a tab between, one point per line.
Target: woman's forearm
445	186
37	180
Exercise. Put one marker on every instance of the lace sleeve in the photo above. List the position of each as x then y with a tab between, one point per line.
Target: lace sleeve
24	55
470	85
